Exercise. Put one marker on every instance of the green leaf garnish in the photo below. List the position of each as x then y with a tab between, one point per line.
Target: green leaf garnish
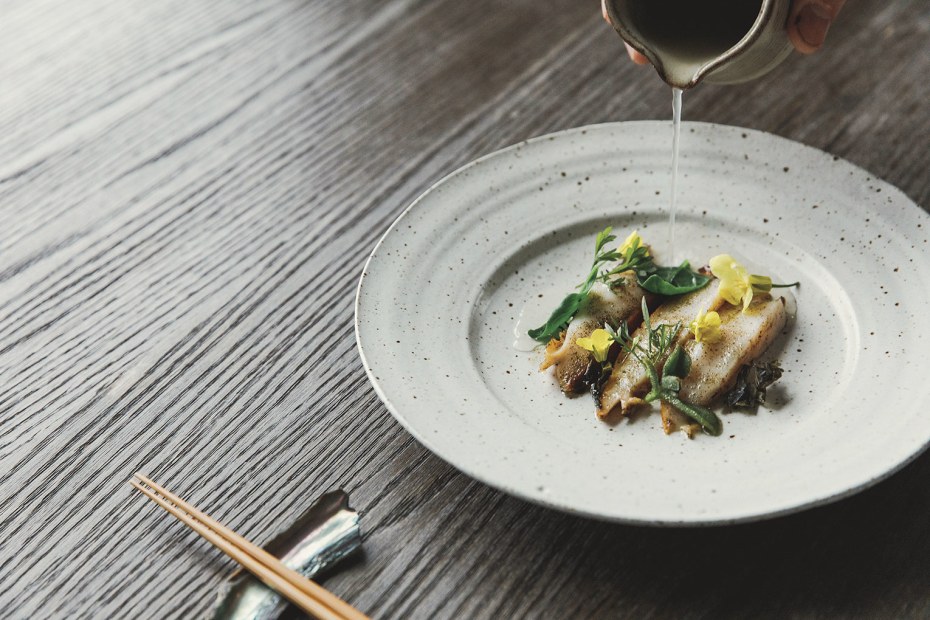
667	281
671	383
560	318
678	364
702	415
569	306
678	280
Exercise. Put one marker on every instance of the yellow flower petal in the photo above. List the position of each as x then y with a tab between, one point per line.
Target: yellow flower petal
598	344
725	267
706	327
735	281
633	240
585	343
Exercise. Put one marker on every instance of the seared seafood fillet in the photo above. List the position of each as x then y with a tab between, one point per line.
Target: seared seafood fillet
744	337
674	420
605	304
628	381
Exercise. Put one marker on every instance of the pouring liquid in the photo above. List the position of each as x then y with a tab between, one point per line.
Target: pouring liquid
673	204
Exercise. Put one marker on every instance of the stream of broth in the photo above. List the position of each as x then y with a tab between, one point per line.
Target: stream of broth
673	201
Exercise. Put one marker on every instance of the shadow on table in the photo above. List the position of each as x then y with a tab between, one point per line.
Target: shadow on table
866	555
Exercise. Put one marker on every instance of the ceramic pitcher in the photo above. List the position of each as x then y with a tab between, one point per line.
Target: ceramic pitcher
720	41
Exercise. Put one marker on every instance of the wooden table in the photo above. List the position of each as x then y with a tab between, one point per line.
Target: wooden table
189	190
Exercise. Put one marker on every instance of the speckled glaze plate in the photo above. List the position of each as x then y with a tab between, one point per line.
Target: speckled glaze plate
512	232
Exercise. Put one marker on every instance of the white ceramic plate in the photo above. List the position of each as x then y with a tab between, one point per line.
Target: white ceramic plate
442	291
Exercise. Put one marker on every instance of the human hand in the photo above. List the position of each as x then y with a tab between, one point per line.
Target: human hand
808	23
634	55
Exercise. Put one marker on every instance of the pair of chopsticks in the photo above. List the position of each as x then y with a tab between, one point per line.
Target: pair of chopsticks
309	596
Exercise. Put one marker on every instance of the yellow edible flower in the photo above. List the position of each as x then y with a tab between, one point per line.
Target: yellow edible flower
598	344
706	327
633	240
736	284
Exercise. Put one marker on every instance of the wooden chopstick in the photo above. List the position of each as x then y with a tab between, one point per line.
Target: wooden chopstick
304	593
316	591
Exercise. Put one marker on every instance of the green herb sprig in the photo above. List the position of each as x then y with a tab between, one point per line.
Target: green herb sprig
666	281
633	258
665	385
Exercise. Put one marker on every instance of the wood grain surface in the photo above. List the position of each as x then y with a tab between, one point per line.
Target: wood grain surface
188	192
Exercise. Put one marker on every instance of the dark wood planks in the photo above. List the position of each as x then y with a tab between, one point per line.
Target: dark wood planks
188	192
